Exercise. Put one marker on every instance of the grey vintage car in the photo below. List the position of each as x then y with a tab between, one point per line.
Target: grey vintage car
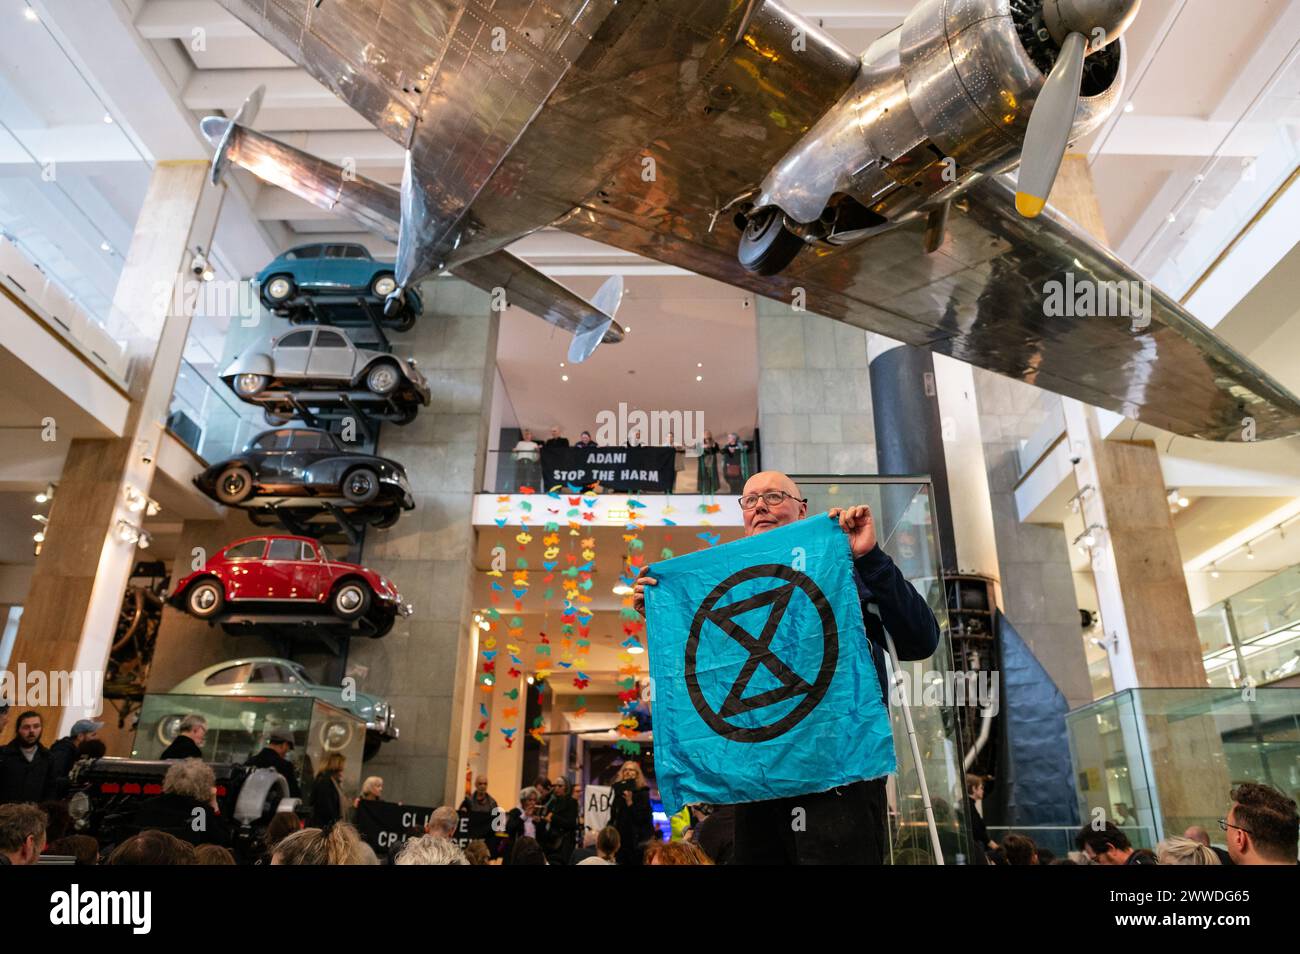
321	365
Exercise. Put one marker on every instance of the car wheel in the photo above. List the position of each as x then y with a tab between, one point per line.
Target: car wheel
408	414
383	378
279	289
250	385
169	727
234	485
351	600
360	485
383	626
205	599
766	245
388	519
383	285
405	320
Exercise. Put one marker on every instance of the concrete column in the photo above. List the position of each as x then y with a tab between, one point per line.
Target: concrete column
425	666
77	587
505	761
814	396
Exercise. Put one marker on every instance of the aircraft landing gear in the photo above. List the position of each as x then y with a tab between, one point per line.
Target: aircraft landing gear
395	303
766	245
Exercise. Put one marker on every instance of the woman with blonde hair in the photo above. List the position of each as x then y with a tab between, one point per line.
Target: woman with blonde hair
339	845
372	789
630	813
327	792
1177	850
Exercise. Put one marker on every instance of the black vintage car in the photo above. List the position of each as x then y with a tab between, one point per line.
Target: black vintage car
302	465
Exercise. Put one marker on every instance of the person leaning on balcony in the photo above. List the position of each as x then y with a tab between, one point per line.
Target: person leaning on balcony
188	743
1262	825
707	484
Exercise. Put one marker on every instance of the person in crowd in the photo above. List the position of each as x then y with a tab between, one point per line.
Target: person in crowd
974	795
846	824
431	850
527	457
607	846
544	791
676	853
1045	856
22	834
188	743
735	462
187	808
444	822
275	754
523	822
526	851
1020	850
153	847
1198	834
476	853
213	855
587	849
280	827
584	440
372	789
327	792
557	439
64	754
26	772
1184	851
82	847
1262	825
58	819
707	482
92	749
630	812
479	808
1110	846
561	816
340	844
4	718
716	834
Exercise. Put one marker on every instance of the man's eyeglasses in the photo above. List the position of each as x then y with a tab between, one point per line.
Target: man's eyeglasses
773	498
1224	825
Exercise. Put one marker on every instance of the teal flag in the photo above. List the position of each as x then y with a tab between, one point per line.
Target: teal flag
763	683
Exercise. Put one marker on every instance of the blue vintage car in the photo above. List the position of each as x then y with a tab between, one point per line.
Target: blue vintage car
336	269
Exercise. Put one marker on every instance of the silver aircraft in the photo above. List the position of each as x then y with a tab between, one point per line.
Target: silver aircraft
736	140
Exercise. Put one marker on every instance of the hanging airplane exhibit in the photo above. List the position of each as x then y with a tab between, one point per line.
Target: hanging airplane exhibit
733	139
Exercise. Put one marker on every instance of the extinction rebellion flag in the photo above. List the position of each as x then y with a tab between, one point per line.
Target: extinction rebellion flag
763	681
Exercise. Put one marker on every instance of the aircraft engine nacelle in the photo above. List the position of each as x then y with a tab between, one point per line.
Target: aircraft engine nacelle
942	100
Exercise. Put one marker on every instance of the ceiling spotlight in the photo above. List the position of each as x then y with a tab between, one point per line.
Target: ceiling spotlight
1250	554
1184	502
530	680
699	377
627	329
561	364
108	120
1173	217
1129	107
564	377
1214	571
41	498
39	536
30	14
699	364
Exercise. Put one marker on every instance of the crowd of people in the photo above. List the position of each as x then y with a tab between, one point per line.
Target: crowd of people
717	468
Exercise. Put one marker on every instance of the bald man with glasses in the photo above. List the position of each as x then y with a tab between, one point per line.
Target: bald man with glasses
844	825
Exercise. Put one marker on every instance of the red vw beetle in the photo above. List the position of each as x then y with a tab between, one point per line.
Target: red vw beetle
279	573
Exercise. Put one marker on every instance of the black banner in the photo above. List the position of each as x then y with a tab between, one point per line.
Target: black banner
625	469
385	825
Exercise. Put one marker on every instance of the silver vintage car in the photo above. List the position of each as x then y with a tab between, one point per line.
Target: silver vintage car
320	366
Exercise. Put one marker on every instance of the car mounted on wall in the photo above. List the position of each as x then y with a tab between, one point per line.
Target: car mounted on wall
307	467
330	275
257	676
290	578
320	367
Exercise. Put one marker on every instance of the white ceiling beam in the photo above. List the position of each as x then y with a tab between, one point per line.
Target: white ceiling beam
1142	135
210	90
178	19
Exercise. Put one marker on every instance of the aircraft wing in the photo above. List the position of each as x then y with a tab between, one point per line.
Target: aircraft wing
983	298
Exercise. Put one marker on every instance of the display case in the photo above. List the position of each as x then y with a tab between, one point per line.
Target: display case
1156	761
238	726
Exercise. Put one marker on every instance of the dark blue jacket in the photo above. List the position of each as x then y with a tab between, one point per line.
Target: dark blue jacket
903	610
